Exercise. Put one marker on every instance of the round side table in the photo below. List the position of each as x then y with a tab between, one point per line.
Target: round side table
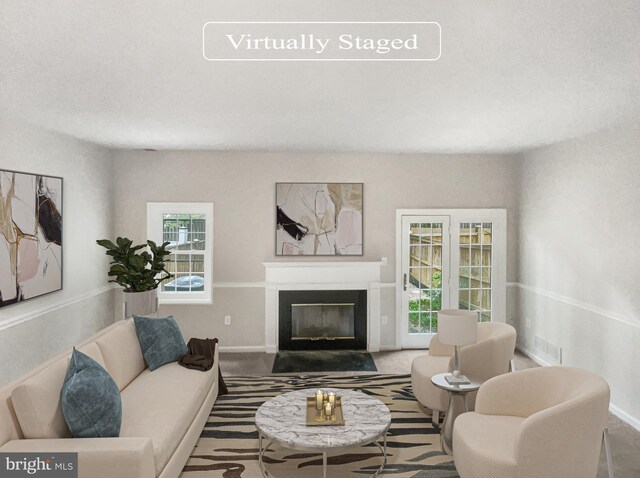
457	405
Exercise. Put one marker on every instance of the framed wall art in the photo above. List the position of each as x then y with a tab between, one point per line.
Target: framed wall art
30	236
317	219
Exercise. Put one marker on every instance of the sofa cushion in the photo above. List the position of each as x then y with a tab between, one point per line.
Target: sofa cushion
36	402
122	354
162	405
90	399
93	351
160	340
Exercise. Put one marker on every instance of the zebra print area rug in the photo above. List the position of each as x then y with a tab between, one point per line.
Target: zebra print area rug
228	445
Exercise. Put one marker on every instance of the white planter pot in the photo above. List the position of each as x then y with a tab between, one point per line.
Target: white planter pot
140	303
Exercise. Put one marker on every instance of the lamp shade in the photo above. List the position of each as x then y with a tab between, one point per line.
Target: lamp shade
458	327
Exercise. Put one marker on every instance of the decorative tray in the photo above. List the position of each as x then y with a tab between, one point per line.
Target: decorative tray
318	418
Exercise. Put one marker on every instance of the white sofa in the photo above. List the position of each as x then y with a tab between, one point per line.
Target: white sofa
163	412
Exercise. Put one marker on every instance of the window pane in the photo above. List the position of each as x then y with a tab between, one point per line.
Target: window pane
486	255
464	233
414	252
464	282
436	234
487	233
486	299
463	303
476	256
476	229
414	323
465	256
486	277
437	256
424	323
475	298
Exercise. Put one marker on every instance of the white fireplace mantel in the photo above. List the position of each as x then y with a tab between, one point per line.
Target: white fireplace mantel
349	275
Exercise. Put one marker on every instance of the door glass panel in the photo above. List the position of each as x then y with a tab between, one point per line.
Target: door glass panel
425	276
475	281
487	233
436	234
414	323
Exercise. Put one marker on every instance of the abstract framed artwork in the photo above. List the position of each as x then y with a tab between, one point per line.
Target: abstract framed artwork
319	219
30	236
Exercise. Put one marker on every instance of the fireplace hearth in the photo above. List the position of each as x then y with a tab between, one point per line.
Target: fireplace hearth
323	319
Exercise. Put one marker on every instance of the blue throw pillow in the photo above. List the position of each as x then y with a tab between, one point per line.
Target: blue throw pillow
160	340
90	399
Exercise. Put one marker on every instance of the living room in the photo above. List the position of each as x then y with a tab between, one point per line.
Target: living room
524	128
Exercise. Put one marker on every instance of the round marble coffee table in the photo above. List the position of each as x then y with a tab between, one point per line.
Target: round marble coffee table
282	421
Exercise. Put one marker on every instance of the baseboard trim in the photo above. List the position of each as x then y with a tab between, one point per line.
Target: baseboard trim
387	348
539	359
624	416
22	318
242	348
613	408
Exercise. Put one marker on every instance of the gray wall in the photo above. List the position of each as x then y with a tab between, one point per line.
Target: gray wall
35	330
579	269
242	188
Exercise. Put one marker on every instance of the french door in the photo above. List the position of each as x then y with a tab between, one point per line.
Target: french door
448	259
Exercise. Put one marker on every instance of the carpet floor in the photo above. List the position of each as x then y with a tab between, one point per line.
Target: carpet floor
323	361
228	445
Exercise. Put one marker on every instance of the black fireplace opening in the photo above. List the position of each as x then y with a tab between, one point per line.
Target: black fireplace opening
323	319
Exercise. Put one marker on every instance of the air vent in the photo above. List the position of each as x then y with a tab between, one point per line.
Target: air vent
551	352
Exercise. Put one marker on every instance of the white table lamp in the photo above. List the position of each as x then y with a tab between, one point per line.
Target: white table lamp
457	328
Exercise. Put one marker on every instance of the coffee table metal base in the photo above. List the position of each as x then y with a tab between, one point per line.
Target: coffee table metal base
266	474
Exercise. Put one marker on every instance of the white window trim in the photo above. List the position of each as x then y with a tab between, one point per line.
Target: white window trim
498	216
155	215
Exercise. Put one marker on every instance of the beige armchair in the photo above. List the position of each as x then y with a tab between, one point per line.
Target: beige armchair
488	357
542	422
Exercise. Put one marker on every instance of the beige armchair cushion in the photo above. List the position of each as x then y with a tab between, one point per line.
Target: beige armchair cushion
537	422
488	357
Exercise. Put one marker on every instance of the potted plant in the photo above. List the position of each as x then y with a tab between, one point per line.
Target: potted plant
139	271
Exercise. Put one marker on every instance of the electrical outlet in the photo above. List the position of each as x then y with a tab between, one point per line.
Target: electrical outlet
227	320
527	323
384	320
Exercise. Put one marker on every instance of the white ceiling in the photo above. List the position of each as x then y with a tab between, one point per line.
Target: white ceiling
514	74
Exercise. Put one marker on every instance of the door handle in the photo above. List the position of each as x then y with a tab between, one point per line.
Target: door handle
404	282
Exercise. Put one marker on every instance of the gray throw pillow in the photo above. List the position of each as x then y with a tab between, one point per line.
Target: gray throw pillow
90	399
160	340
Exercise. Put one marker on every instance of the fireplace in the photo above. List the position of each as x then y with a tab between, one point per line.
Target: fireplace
322	319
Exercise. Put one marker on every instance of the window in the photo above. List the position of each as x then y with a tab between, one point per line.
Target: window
188	228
